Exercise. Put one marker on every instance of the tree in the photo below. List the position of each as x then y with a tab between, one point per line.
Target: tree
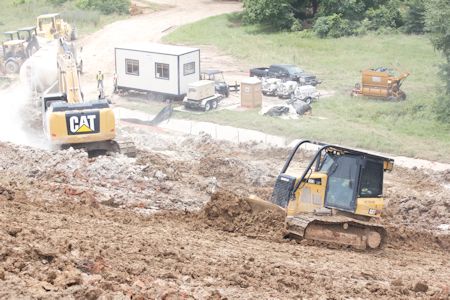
437	23
277	14
415	17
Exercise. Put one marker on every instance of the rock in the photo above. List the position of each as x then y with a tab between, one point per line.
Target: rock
160	175
420	287
397	282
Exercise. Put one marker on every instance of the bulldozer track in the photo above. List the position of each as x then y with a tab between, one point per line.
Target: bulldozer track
337	230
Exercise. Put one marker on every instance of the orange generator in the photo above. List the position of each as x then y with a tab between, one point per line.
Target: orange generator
381	83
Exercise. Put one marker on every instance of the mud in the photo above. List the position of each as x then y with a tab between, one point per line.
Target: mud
144	228
228	212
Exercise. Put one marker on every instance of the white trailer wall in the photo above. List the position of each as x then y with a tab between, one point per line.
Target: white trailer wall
178	82
185	80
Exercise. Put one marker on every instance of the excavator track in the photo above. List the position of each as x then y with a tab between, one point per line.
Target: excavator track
339	230
125	147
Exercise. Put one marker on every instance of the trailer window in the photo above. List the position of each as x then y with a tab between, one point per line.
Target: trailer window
132	67
189	68
161	71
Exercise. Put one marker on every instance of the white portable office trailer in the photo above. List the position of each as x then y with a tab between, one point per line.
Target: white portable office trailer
157	68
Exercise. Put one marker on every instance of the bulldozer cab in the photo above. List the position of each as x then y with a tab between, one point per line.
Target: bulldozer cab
337	178
350	176
49	23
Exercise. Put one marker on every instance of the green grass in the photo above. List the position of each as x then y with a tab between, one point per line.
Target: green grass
20	13
403	128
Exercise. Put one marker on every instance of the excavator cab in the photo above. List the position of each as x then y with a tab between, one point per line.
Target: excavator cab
336	196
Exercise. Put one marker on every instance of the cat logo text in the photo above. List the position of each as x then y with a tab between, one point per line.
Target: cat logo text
82	123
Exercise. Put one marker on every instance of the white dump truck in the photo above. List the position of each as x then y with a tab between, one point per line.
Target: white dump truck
202	95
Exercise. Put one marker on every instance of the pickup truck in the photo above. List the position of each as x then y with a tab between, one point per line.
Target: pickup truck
285	72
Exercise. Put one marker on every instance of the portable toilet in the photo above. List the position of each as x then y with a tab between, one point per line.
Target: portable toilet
251	95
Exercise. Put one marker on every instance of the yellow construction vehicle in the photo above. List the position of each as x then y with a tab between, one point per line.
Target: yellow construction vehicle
19	46
337	199
52	26
381	83
69	121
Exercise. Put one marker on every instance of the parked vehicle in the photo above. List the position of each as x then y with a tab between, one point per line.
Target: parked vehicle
269	86
18	47
202	95
219	81
286	72
381	83
52	26
285	89
305	93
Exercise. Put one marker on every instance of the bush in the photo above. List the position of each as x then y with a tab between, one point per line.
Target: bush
105	6
277	14
415	17
333	26
385	16
296	26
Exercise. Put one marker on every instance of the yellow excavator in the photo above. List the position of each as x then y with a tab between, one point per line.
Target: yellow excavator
70	121
337	199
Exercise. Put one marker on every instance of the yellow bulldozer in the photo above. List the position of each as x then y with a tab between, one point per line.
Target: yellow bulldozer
52	26
70	121
381	83
337	199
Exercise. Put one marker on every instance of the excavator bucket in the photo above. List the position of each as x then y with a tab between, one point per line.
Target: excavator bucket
162	116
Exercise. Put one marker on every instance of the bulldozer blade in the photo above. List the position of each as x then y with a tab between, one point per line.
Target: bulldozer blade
259	205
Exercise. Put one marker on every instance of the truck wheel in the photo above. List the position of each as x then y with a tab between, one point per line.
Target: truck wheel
308	100
12	67
208	106
214	104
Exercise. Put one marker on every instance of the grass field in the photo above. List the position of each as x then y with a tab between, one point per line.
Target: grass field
20	13
404	128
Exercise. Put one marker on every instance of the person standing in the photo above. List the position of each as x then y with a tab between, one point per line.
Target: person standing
100	80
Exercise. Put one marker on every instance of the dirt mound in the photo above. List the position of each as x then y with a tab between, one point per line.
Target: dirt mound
412	238
231	213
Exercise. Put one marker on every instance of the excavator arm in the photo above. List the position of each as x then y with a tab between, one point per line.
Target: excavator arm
68	77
